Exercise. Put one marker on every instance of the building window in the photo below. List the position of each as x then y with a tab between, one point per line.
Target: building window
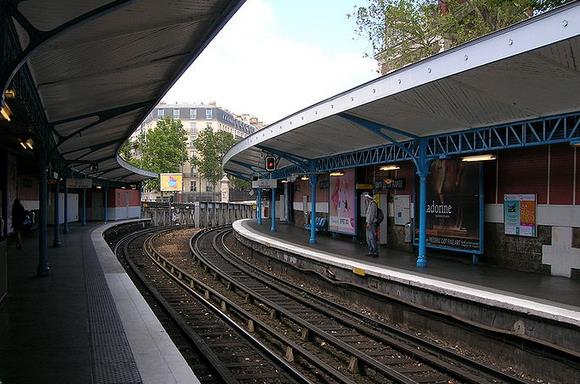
193	114
209	188
176	113
208	114
192	128
160	113
192	186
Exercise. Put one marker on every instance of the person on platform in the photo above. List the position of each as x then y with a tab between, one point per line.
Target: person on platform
371	225
18	216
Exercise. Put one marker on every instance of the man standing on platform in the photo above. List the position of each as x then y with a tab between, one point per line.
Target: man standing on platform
371	225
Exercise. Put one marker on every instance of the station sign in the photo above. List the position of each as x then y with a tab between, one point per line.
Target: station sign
79	183
265	183
390	184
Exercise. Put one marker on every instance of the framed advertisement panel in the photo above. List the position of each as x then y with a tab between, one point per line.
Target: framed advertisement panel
171	182
342	217
519	213
454	206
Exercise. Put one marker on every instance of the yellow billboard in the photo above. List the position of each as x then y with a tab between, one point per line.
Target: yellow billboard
171	182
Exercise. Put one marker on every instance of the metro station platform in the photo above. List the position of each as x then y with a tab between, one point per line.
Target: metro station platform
84	323
539	307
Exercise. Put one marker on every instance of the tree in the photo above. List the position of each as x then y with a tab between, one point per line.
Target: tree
164	149
404	31
210	148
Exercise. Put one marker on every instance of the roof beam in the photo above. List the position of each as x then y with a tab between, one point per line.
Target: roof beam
39	38
294	159
252	168
375	127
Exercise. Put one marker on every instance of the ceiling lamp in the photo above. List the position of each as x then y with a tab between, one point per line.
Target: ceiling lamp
284	181
305	178
29	144
10	94
485	157
336	173
5	112
391	167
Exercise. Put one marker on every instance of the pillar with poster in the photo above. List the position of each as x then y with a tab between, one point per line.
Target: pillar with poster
454	206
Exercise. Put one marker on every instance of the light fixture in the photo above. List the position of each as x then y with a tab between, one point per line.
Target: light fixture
305	178
23	145
5	111
29	143
390	167
336	173
284	181
485	157
10	94
98	187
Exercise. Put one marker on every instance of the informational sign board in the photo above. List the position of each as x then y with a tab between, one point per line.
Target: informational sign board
454	206
519	214
79	183
342	203
264	183
402	208
171	182
388	183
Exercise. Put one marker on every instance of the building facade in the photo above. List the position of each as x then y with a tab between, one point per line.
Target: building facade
195	118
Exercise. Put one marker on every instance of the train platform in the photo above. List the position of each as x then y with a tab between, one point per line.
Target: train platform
84	323
517	303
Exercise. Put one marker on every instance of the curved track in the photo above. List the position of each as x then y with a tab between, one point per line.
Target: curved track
218	349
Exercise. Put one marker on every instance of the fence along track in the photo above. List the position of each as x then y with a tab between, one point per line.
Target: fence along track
232	353
444	365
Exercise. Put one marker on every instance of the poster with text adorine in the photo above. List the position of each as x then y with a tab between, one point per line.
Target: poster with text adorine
519	214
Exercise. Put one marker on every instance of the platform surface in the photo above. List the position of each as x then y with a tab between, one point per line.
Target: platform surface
549	296
84	323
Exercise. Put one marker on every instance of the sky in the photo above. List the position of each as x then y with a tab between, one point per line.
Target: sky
275	57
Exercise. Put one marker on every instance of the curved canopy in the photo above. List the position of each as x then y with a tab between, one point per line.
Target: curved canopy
100	66
527	71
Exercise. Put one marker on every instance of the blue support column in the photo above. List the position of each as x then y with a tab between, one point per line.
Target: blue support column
259	205
43	268
56	243
65	228
273	210
422	172
84	207
286	202
313	180
106	216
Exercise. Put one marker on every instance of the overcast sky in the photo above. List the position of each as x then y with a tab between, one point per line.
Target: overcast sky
275	57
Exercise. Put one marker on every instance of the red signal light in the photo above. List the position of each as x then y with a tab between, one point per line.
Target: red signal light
270	163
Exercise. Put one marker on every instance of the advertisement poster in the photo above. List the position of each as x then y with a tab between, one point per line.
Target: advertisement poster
519	212
454	202
171	182
342	203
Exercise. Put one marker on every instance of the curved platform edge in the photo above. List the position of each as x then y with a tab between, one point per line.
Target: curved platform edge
509	301
158	359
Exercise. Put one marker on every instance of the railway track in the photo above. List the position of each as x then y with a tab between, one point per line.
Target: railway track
217	349
221	303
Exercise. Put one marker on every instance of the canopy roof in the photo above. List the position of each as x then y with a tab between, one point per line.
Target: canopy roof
103	65
526	71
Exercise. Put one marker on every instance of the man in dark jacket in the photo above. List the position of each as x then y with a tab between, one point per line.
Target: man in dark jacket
371	225
18	215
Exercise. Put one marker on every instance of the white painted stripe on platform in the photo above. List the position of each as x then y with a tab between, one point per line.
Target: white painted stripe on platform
479	294
157	357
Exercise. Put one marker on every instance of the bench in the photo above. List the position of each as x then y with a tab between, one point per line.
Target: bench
320	224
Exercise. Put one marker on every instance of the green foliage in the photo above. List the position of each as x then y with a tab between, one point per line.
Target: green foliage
163	149
405	31
210	148
240	184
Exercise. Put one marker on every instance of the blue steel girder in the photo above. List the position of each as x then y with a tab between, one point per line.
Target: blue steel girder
543	131
377	129
239	175
37	38
252	168
548	130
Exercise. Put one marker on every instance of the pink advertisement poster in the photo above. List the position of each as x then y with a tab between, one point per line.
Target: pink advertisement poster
342	203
